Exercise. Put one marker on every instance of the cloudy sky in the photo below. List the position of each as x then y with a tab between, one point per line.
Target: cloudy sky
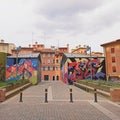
59	22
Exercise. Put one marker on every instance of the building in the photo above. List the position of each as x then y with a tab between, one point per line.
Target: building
48	64
112	54
75	67
50	59
6	47
3	57
82	50
25	67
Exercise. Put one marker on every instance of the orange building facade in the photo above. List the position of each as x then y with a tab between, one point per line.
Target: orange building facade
112	54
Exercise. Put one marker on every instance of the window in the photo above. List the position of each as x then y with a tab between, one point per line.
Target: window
43	61
43	68
56	68
112	50
57	61
53	55
114	69
43	55
48	67
57	77
49	55
3	47
51	68
113	59
48	61
52	61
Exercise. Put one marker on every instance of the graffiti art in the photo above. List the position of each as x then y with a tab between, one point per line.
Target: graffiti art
84	68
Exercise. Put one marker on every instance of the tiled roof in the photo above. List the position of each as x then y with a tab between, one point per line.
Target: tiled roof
47	50
118	40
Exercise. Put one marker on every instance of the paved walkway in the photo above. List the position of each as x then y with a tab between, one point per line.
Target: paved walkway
59	106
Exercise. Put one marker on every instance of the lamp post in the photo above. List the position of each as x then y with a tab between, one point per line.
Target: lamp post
89	49
17	51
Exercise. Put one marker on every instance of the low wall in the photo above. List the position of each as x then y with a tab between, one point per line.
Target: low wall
9	91
115	94
91	89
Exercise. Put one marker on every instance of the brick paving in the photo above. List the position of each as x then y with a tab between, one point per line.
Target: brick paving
58	107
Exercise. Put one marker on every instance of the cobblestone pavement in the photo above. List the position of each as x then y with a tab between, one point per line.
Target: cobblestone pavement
59	106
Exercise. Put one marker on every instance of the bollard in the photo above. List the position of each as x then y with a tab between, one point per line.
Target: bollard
71	97
20	95
46	92
95	95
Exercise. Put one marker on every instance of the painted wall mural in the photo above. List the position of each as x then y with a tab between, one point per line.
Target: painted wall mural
25	69
2	66
80	68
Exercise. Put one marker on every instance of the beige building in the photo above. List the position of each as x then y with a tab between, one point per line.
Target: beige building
82	50
79	50
6	47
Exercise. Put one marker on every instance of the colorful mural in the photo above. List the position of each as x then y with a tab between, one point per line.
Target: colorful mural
80	68
2	66
25	69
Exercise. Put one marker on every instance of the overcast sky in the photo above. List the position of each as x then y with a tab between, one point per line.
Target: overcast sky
59	22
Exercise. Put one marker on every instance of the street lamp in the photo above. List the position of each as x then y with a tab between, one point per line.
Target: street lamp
17	51
88	48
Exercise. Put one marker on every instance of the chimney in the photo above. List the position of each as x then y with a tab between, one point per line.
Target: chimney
85	46
68	48
29	45
2	41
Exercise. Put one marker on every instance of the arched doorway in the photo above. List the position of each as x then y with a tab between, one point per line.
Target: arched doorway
57	77
53	78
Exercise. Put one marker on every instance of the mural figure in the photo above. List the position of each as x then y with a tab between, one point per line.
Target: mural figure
27	69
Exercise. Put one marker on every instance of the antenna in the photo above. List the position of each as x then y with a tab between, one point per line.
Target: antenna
58	44
32	37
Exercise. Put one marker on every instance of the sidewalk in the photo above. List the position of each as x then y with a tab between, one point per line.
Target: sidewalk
59	106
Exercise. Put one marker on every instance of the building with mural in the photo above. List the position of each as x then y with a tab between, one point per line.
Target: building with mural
50	59
2	66
75	67
112	55
25	67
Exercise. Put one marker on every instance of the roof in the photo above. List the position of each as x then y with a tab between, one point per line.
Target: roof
72	55
118	40
33	55
23	48
47	50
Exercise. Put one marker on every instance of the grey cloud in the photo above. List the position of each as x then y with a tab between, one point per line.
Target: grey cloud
55	8
77	17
